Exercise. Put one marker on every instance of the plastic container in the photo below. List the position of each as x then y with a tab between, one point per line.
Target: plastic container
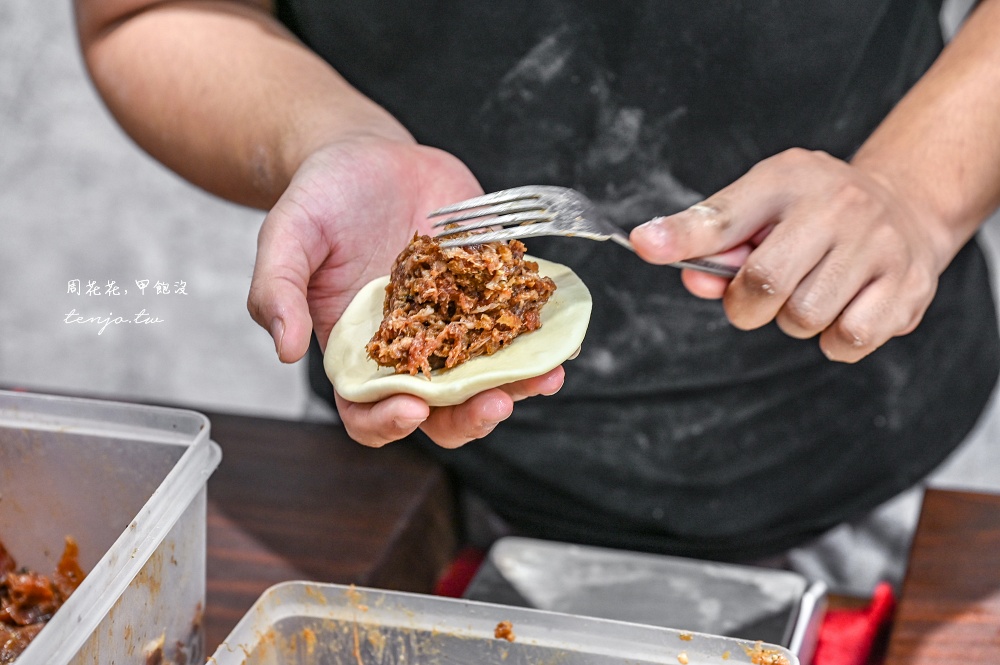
128	483
753	603
299	623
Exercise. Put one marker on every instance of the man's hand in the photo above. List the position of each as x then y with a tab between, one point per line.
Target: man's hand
826	250
348	212
226	96
853	252
393	418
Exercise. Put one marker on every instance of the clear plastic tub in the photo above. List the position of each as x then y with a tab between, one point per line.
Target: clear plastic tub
301	623
128	483
776	606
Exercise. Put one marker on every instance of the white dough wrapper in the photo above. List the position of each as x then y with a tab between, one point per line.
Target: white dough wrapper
358	378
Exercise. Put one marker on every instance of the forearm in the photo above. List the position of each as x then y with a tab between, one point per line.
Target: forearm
220	92
939	149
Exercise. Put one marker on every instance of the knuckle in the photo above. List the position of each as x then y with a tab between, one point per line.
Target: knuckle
452	442
261	303
376	441
841	353
483	430
713	214
921	283
804	154
906	316
760	280
854	333
800	317
911	324
446	434
852	201
886	237
794	159
754	298
254	303
795	156
811	309
837	348
364	437
852	195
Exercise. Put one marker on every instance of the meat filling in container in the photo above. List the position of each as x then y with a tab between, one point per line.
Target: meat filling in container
301	623
128	483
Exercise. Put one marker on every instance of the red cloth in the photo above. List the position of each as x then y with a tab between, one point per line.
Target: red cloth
459	573
846	637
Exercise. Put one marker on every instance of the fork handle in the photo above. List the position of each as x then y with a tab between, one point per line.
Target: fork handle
701	265
711	267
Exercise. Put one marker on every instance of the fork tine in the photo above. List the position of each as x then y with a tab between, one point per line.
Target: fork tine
504	220
503	196
503	209
516	232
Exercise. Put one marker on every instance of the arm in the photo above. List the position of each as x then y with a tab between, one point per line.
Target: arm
852	252
221	93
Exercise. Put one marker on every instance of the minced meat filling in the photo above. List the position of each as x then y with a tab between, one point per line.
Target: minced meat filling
444	306
28	599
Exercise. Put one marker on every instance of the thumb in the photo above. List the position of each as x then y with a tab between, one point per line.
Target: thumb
727	219
277	299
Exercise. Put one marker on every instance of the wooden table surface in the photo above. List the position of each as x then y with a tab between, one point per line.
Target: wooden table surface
949	610
302	501
299	501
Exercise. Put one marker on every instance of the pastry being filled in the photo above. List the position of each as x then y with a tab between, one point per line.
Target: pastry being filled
451	322
445	306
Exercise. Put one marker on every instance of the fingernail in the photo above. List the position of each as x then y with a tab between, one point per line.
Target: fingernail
486	428
555	381
549	392
654	232
277	331
406	424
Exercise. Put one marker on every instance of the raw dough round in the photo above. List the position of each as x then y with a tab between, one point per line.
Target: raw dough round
358	378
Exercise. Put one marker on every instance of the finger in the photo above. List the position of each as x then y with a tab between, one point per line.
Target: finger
875	316
546	384
277	298
733	215
454	426
825	292
721	222
451	427
713	287
775	270
378	423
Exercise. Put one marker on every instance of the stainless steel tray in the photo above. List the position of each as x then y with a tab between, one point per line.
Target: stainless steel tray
300	623
746	602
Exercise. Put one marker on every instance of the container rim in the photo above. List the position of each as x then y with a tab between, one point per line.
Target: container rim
475	619
103	417
80	616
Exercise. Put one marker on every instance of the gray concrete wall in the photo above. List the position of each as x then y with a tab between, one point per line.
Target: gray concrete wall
79	201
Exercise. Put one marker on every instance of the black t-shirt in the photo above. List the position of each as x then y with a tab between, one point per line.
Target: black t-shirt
674	431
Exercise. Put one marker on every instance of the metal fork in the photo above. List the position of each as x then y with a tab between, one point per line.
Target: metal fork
539	210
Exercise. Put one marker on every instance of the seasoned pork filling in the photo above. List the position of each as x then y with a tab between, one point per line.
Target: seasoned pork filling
444	306
29	599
